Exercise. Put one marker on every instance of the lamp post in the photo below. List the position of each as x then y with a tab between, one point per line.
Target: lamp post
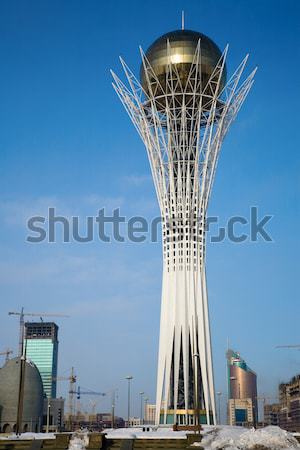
128	378
20	406
146	409
141	394
219	406
113	406
48	415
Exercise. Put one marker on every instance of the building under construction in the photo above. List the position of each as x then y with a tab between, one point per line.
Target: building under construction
41	344
289	398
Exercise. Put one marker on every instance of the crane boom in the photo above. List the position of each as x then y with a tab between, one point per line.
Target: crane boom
79	392
288	346
22	315
7	352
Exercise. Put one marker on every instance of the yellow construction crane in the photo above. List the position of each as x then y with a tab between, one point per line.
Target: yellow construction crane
72	378
7	352
22	315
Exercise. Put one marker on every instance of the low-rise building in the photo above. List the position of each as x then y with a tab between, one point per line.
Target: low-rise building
240	411
271	414
53	413
134	422
105	420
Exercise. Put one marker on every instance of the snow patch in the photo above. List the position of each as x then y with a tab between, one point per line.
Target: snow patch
239	438
28	436
138	433
79	441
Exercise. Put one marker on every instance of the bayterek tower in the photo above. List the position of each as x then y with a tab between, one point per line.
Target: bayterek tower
182	106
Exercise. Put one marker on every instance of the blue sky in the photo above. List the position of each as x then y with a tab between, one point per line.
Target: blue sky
65	141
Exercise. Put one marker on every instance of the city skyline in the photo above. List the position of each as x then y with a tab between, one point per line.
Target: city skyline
59	147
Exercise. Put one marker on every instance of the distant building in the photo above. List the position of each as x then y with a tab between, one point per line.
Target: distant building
42	348
56	408
271	414
289	399
134	422
9	393
105	419
150	411
242	390
94	422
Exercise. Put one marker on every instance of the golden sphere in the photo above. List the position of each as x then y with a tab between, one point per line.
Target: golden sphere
183	44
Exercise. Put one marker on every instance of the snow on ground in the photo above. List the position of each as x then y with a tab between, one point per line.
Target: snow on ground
218	438
79	441
26	436
214	438
239	438
138	433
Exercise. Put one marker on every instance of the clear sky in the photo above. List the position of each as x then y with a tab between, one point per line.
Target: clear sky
66	142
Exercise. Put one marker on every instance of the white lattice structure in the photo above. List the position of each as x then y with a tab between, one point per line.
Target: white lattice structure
182	128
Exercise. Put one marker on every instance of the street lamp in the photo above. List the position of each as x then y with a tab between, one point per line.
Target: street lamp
48	415
128	378
141	394
146	409
219	406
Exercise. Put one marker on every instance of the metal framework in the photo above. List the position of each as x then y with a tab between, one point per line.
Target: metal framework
182	128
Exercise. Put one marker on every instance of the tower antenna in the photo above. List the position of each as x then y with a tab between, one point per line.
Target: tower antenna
182	20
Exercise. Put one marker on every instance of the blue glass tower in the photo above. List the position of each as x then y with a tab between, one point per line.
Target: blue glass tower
42	348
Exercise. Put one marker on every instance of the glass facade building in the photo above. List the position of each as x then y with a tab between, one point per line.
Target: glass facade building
42	348
242	390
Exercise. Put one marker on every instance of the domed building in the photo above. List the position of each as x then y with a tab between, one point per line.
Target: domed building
9	392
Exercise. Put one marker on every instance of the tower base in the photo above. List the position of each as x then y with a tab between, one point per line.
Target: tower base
184	417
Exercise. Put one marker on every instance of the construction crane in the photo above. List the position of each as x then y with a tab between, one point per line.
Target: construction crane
93	405
79	393
288	346
22	315
264	399
72	378
72	381
7	352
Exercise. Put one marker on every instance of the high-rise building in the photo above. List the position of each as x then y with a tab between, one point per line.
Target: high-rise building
242	390
42	348
182	108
